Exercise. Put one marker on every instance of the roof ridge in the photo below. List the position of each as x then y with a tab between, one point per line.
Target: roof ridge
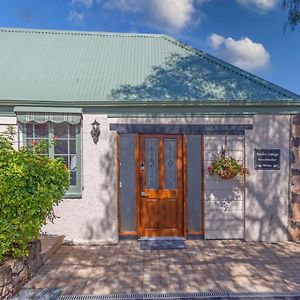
235	69
78	32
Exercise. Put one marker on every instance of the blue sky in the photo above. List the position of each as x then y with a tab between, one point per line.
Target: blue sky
247	33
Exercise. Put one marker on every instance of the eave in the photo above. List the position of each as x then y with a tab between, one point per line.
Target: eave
167	108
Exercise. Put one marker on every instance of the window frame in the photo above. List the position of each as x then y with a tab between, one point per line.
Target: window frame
73	191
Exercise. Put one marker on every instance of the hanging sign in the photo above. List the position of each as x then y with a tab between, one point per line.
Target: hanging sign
267	159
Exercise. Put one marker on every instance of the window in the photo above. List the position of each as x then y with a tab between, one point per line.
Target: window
67	147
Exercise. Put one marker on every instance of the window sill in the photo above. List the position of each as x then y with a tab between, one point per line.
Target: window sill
72	196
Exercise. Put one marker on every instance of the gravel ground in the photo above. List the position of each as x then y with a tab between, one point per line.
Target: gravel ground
38	294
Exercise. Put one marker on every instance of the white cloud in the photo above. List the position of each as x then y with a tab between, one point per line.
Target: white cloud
173	15
86	3
243	53
75	16
215	40
262	5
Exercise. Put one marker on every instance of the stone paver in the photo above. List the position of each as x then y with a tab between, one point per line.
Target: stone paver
204	266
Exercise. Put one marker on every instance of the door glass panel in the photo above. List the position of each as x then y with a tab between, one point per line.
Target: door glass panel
170	163
151	163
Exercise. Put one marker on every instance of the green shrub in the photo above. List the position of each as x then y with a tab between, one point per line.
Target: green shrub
30	185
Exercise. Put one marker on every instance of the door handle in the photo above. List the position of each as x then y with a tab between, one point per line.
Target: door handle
143	194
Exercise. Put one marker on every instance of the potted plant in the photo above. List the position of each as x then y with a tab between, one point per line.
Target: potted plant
226	167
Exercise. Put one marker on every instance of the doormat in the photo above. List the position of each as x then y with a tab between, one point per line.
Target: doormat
162	243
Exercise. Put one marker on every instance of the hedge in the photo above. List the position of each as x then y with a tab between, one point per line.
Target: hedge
31	184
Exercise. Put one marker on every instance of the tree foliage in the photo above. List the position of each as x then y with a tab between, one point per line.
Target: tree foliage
292	7
30	185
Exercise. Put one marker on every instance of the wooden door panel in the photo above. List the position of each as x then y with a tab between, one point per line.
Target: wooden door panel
161	201
169	232
150	213
148	232
170	214
150	217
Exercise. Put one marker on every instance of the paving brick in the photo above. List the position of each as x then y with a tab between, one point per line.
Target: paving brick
98	272
98	286
82	272
203	266
74	287
89	287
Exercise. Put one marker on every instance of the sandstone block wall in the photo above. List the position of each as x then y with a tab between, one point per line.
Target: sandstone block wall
14	273
294	224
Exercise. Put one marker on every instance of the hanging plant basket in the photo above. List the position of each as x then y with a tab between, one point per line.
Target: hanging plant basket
226	167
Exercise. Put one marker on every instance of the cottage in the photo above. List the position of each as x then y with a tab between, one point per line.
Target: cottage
138	119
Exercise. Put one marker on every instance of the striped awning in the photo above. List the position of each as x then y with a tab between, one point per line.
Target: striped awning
27	114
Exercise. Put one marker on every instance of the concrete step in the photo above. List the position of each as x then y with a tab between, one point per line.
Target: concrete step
49	245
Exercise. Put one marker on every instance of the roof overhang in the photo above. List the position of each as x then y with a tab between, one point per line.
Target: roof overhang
169	107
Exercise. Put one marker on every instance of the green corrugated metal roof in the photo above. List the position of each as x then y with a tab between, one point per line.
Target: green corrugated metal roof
47	65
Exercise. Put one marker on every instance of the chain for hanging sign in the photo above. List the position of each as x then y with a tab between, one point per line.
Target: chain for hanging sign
224	147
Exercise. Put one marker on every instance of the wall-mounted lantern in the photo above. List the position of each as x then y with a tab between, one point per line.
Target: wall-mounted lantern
95	132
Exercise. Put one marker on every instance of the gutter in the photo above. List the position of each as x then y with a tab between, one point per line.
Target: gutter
168	108
152	103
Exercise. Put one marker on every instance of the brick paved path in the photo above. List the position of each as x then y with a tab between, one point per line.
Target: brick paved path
203	266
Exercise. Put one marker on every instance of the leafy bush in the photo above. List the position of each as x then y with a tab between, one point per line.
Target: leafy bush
30	185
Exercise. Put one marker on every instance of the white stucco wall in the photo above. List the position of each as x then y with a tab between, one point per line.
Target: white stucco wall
9	121
267	192
224	199
93	218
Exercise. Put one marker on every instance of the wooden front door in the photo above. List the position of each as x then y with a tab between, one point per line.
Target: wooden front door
160	174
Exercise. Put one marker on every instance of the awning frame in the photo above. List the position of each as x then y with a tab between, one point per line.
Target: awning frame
26	114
